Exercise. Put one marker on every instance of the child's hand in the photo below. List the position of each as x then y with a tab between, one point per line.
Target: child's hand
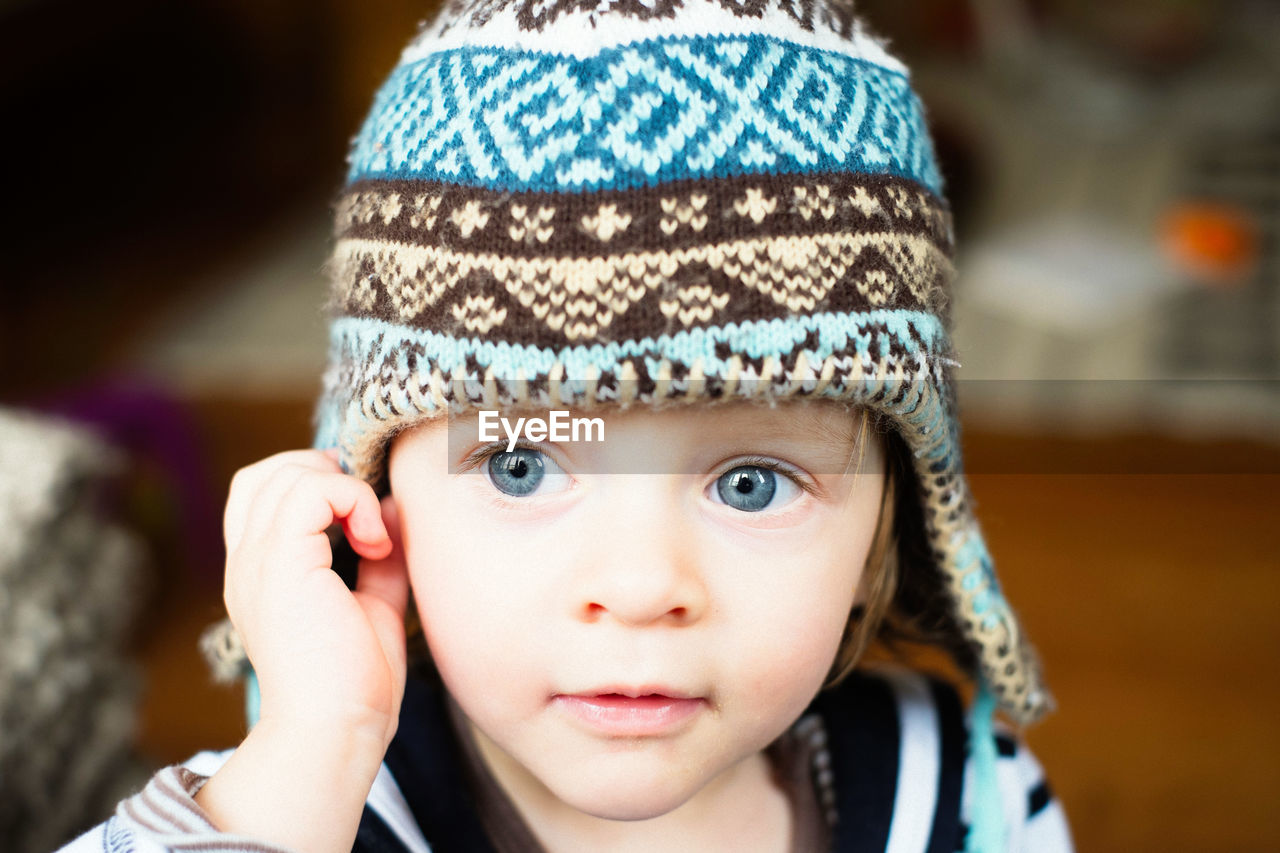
322	653
330	662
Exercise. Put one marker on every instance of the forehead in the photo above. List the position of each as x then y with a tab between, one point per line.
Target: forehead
643	440
818	419
823	435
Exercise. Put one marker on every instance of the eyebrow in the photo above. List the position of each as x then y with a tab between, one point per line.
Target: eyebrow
843	434
835	443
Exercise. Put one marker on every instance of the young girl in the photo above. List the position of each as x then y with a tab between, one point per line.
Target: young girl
711	235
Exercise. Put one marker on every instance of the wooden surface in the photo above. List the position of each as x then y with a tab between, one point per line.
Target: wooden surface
1152	598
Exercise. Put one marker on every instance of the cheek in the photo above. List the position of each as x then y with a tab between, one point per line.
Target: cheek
456	608
795	612
799	633
483	598
476	641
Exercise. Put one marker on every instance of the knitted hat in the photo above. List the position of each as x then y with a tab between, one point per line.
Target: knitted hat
569	203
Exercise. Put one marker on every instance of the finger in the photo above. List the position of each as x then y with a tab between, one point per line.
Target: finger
367	532
245	495
303	480
290	540
271	495
316	500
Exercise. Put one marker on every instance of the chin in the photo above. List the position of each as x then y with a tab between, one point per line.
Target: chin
625	795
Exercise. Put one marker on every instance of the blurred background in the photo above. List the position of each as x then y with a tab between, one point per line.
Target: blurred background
1114	167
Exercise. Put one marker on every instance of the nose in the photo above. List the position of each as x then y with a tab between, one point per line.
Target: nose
646	568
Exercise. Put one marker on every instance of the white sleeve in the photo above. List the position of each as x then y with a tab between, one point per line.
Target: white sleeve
164	816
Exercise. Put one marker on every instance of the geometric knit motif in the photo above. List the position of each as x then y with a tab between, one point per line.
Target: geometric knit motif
625	265
501	118
564	203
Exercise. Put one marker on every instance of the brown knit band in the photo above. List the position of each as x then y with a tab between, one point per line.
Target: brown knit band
625	265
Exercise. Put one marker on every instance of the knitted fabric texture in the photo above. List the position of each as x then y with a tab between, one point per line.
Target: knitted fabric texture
567	204
71	583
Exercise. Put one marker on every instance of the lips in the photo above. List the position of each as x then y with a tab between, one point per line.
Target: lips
631	692
631	712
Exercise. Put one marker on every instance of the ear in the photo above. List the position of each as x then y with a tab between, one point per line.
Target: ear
387	578
395	531
391	518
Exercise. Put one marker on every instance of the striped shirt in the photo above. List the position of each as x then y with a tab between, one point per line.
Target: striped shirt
889	761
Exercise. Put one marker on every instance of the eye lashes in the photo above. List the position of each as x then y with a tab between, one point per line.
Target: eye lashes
772	465
483	453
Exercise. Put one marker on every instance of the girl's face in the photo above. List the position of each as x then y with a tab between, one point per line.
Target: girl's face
625	621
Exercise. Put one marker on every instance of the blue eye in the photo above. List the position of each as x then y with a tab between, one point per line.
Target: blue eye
748	488
523	471
517	473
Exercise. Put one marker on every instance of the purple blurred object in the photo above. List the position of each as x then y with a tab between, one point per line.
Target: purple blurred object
152	426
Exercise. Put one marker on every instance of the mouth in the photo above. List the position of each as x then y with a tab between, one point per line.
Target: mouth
631	711
641	692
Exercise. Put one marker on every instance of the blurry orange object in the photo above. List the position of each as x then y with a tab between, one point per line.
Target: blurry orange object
1214	242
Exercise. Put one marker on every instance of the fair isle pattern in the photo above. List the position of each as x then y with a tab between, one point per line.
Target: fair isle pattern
641	115
672	214
576	299
556	26
629	265
632	203
391	373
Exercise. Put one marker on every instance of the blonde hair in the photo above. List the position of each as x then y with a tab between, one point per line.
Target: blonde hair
879	578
